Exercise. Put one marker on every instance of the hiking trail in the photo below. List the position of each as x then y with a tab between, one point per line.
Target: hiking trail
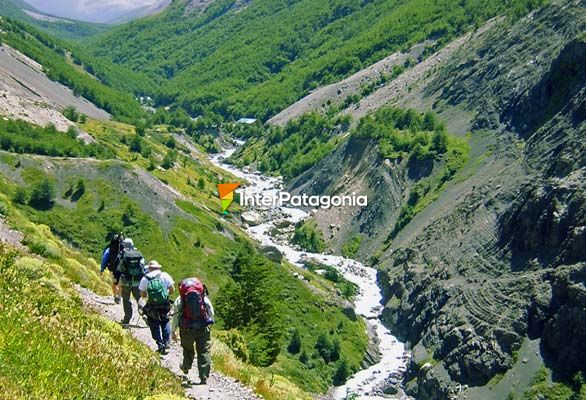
219	387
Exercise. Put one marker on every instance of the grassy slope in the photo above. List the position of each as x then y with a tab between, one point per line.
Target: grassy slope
50	346
262	58
187	239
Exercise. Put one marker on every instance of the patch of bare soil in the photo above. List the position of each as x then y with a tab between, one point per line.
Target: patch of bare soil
26	93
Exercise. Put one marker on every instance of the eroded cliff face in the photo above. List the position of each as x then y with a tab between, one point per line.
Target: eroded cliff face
356	166
508	261
500	256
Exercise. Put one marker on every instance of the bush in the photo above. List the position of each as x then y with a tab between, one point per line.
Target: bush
42	194
169	159
342	373
70	113
236	342
309	237
295	343
350	248
135	144
20	196
3	209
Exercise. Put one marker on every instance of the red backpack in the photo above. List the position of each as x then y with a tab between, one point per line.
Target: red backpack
194	313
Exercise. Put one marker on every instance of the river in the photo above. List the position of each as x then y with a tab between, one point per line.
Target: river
367	383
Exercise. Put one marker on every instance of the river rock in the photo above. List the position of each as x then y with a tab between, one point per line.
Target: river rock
272	253
251	218
283	223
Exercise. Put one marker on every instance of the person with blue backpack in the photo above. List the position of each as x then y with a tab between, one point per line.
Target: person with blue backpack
110	262
131	267
155	287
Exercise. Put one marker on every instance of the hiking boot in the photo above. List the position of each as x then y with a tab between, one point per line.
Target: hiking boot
117	299
162	350
203	381
185	381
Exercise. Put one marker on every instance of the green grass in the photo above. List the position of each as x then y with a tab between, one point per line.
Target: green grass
543	388
189	238
53	348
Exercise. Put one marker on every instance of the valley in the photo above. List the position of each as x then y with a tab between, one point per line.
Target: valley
463	123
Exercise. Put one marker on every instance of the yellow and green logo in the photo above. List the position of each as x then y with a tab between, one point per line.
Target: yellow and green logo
226	193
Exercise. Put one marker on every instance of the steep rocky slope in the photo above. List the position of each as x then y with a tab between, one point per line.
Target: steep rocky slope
499	257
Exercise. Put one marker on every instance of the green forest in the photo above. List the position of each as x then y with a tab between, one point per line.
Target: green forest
257	60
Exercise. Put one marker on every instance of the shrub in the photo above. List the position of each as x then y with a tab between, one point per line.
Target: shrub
295	343
342	373
20	196
42	194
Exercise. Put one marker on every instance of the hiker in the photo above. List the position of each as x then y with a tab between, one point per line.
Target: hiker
131	268
193	314
110	261
155	287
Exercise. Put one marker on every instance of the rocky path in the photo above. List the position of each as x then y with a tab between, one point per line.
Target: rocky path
219	387
10	236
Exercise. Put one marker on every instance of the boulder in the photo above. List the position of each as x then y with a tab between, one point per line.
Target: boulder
272	253
283	223
251	218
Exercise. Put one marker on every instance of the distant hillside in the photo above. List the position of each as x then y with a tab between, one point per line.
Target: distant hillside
236	57
61	27
110	88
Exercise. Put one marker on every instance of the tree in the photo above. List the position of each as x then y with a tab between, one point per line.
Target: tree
439	141
295	343
342	373
324	347
169	159
42	194
201	183
70	113
21	196
140	129
135	144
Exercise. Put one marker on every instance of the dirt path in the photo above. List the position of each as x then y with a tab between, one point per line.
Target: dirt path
219	387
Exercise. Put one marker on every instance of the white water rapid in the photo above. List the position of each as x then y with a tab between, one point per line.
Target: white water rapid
367	383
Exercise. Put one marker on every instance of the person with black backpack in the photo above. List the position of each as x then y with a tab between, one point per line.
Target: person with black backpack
193	314
131	267
155	287
110	262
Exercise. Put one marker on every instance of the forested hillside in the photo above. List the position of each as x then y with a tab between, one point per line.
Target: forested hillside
238	58
107	86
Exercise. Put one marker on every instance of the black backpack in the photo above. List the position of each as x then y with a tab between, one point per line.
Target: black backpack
131	264
115	248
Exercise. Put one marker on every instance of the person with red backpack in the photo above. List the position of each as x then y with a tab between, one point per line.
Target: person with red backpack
193	313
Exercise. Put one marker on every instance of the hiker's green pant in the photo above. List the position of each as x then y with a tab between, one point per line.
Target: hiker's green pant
127	290
201	338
